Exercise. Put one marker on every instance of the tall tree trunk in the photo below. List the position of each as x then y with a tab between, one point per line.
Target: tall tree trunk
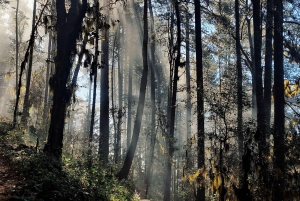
153	108
17	61
68	27
252	69
167	193
104	98
95	71
200	100
121	62
88	116
188	88
129	108
166	135
17	45
112	87
279	118
26	99
268	79
123	173
239	85
261	132
45	111
268	67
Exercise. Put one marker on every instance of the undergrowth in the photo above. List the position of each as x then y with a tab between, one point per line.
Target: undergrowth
46	178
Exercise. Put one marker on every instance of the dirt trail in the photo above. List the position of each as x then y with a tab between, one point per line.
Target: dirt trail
8	178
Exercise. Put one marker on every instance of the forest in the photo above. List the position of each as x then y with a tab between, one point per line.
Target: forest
150	100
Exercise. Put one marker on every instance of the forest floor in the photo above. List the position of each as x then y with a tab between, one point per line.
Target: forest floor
8	178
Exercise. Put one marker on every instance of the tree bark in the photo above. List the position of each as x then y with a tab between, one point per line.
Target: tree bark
129	108
104	98
252	69
95	71
279	118
17	51
188	78
260	135
268	67
112	86
45	111
153	108
200	102
120	88
239	86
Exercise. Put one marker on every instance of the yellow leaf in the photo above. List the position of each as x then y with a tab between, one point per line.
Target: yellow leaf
23	89
193	140
286	54
162	148
12	92
286	83
207	152
219	180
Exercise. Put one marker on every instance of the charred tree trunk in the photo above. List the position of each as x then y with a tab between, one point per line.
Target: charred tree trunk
260	135
279	118
17	45
239	84
268	67
104	99
17	64
68	28
123	173
200	102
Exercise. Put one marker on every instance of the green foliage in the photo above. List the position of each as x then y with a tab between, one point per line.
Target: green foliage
46	178
69	179
99	181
